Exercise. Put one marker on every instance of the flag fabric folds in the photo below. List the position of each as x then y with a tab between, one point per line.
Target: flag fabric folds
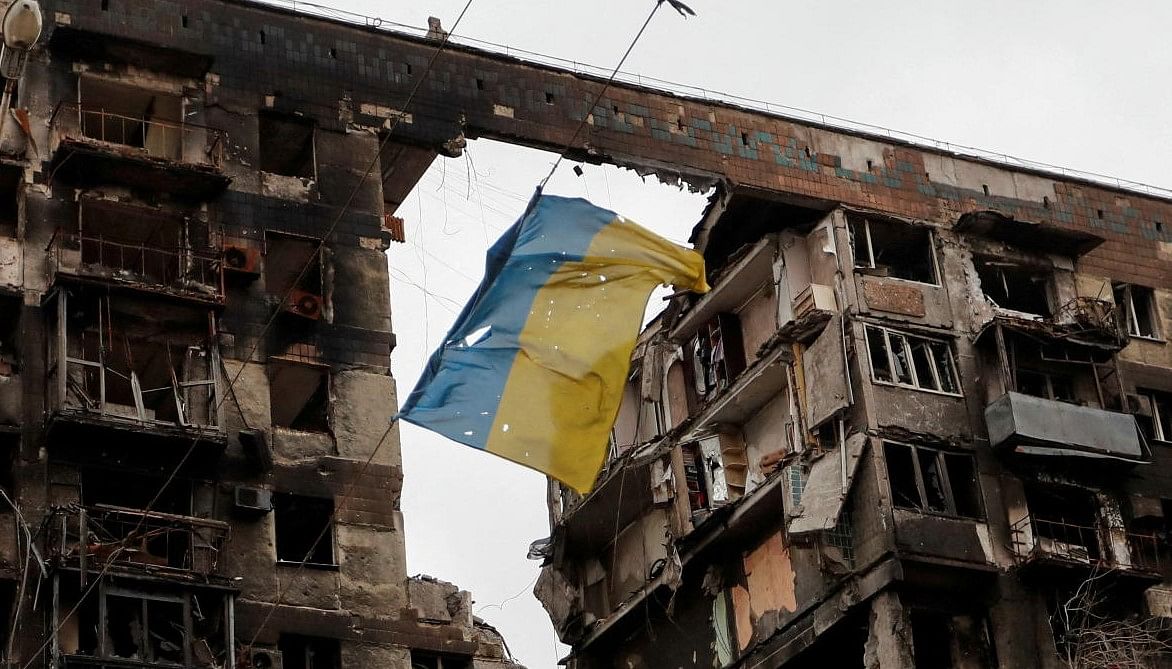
533	369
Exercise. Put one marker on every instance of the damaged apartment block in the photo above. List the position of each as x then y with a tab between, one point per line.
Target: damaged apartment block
881	441
194	358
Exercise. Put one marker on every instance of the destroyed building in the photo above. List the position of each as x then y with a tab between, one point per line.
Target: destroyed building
920	421
195	341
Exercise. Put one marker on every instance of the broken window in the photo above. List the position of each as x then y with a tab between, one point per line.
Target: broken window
149	362
292	268
1137	308
420	660
1064	521
308	652
1048	385
1154	414
299	395
304	529
715	470
931	480
718	355
892	248
1015	287
912	361
149	628
286	145
121	114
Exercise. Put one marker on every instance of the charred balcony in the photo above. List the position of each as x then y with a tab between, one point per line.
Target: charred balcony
88	538
141	248
114	133
134	369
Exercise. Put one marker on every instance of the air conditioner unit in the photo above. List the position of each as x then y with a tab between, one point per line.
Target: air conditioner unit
267	658
241	259
815	297
252	500
304	304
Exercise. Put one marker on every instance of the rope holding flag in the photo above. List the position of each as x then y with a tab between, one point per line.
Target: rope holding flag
534	368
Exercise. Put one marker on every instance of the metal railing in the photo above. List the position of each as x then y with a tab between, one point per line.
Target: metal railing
188	271
719	97
1035	538
153	137
90	537
1149	551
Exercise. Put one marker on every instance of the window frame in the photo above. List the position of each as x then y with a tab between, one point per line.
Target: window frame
1154	398
948	490
907	339
852	225
330	537
1130	314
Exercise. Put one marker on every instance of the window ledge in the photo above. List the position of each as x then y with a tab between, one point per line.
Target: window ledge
890	384
872	273
309	565
1153	340
939	514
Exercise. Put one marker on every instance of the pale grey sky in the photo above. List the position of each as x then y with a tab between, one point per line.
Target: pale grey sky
1077	83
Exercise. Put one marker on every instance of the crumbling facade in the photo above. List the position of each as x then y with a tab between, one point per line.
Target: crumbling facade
195	340
918	422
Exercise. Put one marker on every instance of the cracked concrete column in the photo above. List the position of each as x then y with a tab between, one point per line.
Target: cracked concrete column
889	640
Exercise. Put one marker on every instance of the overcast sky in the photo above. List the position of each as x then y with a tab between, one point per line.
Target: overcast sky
1076	83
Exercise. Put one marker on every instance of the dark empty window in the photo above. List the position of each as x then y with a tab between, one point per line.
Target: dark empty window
1014	287
928	479
718	354
307	652
286	145
1045	384
299	395
892	248
931	640
1137	308
300	522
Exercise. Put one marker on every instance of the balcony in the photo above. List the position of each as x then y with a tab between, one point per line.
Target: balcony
93	145
1055	541
179	272
133	540
1031	425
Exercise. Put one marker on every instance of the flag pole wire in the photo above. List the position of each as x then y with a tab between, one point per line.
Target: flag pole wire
393	123
598	98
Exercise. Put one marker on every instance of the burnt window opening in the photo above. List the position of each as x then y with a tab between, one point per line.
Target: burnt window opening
130	489
293	268
1015	287
300	521
549	98
1065	522
333	53
286	145
1137	309
184	21
421	660
717	355
1047	385
120	114
299	395
261	36
893	249
942	640
10	309
912	361
1154	414
10	180
151	628
933	481
308	652
479	84
715	471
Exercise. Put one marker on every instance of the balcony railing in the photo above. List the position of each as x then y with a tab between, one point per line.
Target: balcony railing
1040	538
1149	551
182	270
154	138
91	537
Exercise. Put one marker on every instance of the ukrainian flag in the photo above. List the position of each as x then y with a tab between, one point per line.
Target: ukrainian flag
534	368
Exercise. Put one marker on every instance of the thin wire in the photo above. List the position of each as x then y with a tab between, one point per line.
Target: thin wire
394	122
598	98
